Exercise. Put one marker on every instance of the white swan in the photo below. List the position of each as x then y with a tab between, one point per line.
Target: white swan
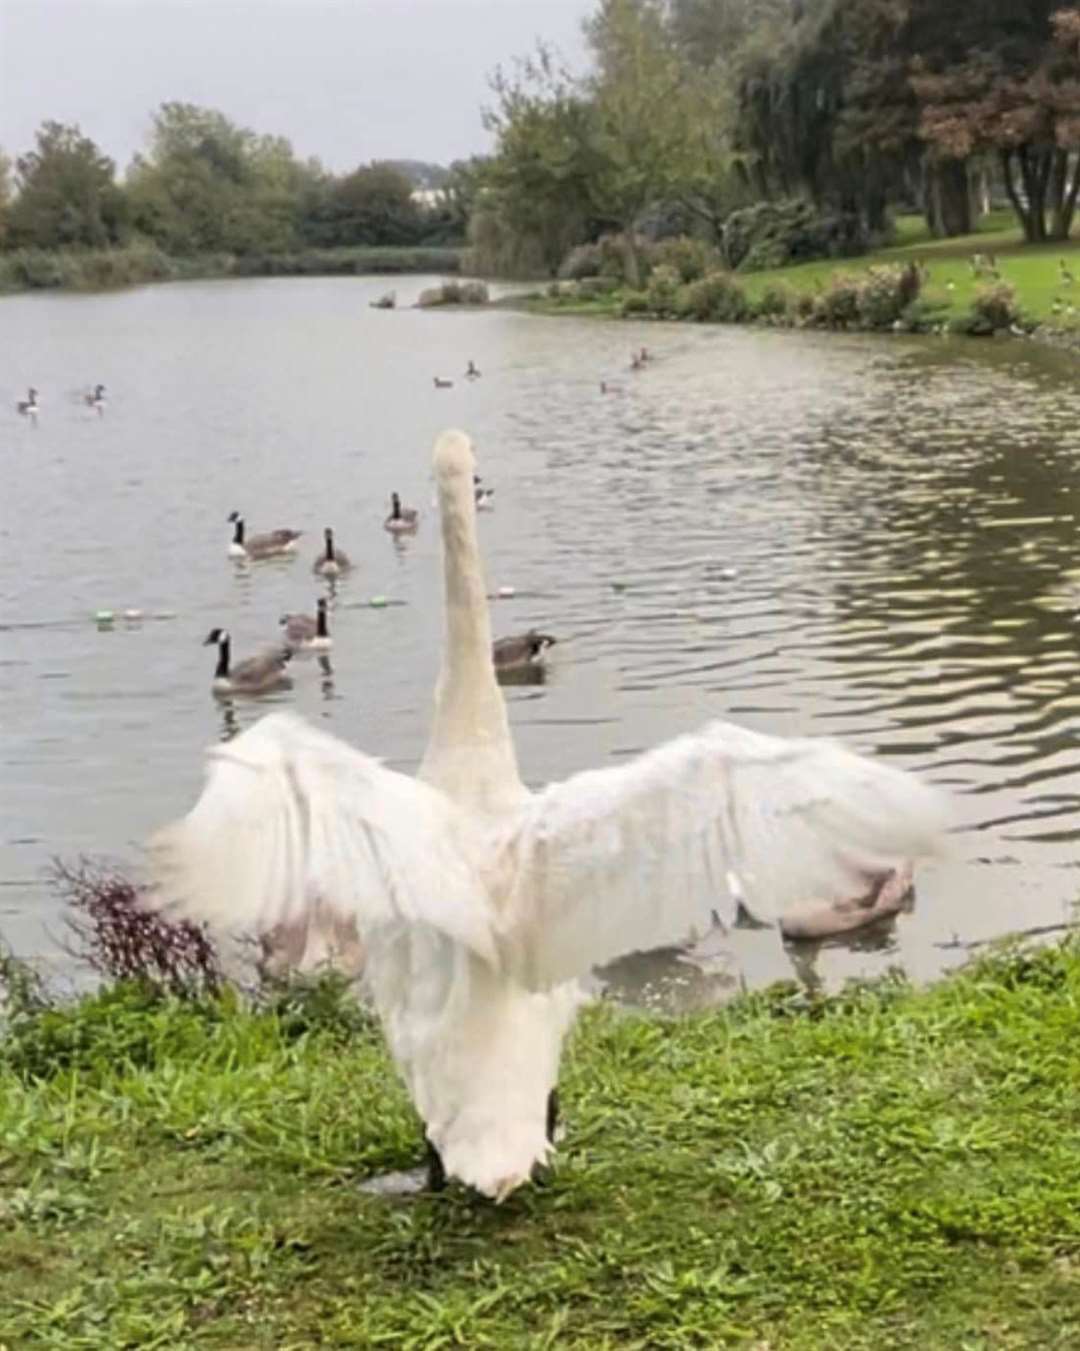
481	905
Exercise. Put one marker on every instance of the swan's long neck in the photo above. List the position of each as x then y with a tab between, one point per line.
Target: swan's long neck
470	754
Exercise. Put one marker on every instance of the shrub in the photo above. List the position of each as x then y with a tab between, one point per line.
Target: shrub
634	302
993	309
837	305
775	234
584	260
590	287
718	297
886	292
775	302
690	258
112	934
454	293
662	289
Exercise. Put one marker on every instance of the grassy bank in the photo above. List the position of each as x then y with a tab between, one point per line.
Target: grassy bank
889	1169
95	269
949	285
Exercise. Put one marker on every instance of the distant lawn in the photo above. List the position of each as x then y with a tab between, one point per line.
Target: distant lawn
889	1169
1032	269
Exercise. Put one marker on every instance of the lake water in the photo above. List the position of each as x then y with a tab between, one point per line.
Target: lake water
863	537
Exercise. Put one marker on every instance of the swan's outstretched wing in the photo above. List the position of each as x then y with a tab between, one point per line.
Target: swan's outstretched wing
645	854
293	823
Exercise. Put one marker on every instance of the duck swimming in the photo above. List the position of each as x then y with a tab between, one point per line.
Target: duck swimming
401	519
521	651
332	562
307	632
28	407
255	675
272	544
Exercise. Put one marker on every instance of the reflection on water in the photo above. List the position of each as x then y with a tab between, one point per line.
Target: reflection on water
808	534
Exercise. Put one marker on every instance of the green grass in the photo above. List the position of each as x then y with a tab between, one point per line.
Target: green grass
1033	270
889	1169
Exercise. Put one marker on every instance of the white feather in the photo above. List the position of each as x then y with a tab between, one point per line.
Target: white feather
642	855
479	905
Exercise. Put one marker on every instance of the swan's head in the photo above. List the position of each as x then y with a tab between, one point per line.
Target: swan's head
454	460
216	637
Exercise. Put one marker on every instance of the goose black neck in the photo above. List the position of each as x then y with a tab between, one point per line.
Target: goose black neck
329	547
222	658
238	530
320	622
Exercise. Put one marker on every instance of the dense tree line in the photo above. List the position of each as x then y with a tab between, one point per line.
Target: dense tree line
693	109
205	185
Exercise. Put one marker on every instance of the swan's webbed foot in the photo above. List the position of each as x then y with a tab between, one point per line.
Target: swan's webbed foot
436	1173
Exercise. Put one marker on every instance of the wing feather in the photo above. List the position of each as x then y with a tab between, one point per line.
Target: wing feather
292	821
652	852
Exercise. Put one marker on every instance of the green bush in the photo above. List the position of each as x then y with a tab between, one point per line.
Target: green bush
634	302
993	309
775	302
776	234
584	260
837	304
691	258
662	289
886	292
717	297
454	293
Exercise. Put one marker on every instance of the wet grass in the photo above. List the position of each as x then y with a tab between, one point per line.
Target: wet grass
890	1168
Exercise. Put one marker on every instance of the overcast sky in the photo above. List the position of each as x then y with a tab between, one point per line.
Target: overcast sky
347	80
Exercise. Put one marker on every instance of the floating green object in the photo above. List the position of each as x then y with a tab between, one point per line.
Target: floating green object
618	586
103	616
378	602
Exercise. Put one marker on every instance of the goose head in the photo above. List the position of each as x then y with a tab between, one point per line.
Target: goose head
215	638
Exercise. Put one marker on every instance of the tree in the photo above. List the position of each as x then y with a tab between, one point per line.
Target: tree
640	123
374	205
534	197
1009	83
5	194
67	195
207	185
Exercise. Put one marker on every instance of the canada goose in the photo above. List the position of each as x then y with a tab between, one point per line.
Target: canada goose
471	373
482	496
332	562
1066	276
480	906
28	407
96	399
254	675
522	650
440	383
302	631
401	519
274	544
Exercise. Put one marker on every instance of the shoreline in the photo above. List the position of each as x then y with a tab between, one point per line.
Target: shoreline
887	1166
104	270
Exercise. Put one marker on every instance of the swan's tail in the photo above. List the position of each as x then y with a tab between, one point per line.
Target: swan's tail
479	1053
